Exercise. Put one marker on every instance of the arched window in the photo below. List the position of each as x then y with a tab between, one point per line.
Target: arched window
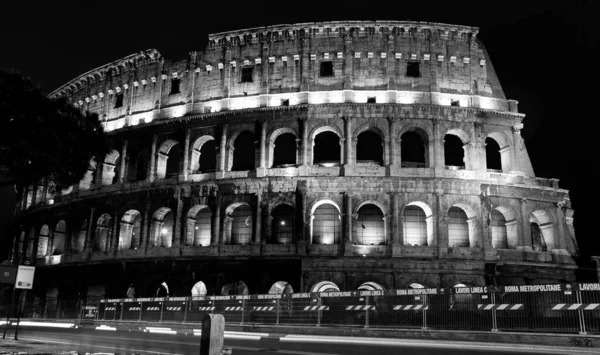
492	155
88	179
417	224
43	241
58	238
243	152
235	288
369	148
454	153
498	230
110	168
414	150
327	149
326	225
102	231
370	286
199	226
199	289
167	163
241	225
325	286
282	225
542	231
161	231
370	226
204	155
138	165
458	228
162	290
280	287
78	243
284	150
130	229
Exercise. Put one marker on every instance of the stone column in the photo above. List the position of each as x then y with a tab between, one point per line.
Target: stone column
115	231
152	167
526	227
348	231
559	235
223	149
177	220
123	167
348	59
349	158
88	247
45	191
442	222
145	227
186	154
392	142
216	237
396	234
258	221
438	148
261	149
304	131
305	59
34	195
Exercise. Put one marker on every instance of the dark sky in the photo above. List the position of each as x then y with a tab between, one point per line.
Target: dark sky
545	55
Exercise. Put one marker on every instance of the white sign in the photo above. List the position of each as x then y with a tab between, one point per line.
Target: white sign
25	277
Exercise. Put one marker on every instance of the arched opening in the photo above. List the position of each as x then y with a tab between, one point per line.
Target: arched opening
370	226
454	153
325	286
139	168
370	286
131	224
458	227
235	288
162	290
413	150
78	242
58	238
102	232
88	179
241	225
161	231
199	226
415	285
369	148
199	289
204	155
492	155
284	150
281	287
243	152
282	225
417	224
327	149
43	241
110	168
542	231
326	224
30	242
498	230
167	163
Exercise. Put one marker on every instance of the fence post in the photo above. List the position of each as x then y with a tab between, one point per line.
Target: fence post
366	311
243	310
277	308
494	320
162	307
319	312
115	312
582	330
141	310
424	327
122	306
185	309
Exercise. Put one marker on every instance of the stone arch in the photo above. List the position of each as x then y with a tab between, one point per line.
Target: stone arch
165	166
509	226
410	151
58	238
542	231
129	234
505	144
43	241
326	227
199	226
462	225
379	204
199	289
324	286
417	224
456	148
283	223
241	151
235	288
161	229
464	137
239	223
78	242
196	154
110	168
272	148
316	150
88	179
370	286
103	227
370	227
280	287
364	145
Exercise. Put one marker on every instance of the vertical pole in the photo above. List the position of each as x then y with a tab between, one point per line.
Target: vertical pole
18	317
141	310
162	307
366	311
582	330
186	151
122	306
115	312
277	307
424	312
8	313
152	167
243	310
319	312
494	320
123	166
185	310
258	222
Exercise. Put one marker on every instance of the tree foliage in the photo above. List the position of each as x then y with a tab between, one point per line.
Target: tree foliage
44	139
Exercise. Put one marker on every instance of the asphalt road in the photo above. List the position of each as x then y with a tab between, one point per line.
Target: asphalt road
96	341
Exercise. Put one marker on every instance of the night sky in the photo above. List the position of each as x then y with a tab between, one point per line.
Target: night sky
546	57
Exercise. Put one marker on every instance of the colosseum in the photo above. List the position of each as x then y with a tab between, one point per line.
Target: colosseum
304	157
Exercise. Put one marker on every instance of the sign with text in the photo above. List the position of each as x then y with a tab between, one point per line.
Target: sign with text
25	277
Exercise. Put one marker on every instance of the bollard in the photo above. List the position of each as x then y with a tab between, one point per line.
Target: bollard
213	332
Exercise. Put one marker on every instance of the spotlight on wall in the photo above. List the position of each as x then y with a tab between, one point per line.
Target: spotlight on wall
283	223
163	231
196	228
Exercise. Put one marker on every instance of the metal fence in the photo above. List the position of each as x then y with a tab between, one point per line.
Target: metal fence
560	308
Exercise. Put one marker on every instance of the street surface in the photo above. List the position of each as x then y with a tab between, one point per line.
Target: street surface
98	341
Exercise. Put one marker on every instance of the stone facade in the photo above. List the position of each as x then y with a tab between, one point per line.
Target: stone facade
397	205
